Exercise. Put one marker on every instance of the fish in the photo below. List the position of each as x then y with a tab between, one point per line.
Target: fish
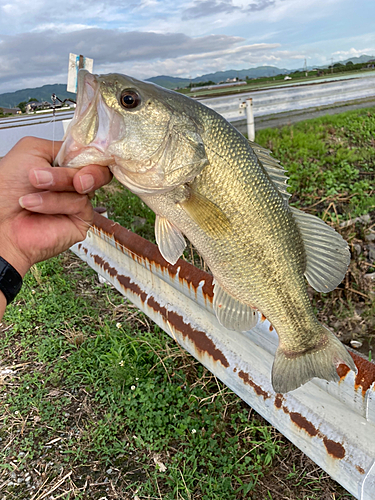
208	183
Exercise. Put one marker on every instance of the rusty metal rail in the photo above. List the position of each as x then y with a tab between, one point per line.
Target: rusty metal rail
334	424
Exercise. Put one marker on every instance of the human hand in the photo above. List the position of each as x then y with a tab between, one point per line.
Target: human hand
43	209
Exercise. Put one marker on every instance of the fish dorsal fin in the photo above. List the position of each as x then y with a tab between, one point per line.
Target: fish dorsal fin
170	241
327	253
206	214
231	313
273	168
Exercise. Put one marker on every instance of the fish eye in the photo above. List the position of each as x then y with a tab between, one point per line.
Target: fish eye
129	99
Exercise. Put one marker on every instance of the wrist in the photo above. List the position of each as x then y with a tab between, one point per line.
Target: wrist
15	261
10	253
10	280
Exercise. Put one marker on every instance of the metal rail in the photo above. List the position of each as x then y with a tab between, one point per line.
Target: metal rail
334	424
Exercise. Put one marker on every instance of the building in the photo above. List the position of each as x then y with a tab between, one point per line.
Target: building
35	106
10	111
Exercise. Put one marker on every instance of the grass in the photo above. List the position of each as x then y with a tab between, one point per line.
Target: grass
97	402
329	160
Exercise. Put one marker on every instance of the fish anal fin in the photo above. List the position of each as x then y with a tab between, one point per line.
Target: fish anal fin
327	253
169	238
206	214
231	313
291	370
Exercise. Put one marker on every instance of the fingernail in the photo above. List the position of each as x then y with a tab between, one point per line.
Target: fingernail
30	201
43	177
87	182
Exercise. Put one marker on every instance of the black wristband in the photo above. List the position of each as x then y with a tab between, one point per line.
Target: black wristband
10	280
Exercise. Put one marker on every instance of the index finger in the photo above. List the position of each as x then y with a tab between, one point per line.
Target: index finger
42	148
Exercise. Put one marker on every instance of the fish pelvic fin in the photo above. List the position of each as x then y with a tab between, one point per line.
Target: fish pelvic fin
291	370
170	240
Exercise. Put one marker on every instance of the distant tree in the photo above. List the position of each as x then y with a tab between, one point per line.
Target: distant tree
201	84
22	105
349	63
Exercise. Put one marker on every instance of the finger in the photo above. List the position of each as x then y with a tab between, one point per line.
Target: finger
52	203
90	178
68	179
42	148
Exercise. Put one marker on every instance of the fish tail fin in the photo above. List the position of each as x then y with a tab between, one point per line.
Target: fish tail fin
291	370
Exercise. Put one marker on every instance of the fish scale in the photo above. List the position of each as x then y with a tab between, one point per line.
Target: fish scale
263	220
206	182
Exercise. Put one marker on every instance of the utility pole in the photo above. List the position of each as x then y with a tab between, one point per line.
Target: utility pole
331	64
305	68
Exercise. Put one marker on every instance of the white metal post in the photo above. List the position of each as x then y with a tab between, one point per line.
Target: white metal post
333	423
250	119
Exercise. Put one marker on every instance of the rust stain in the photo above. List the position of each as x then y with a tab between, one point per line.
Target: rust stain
198	337
258	390
271	328
145	251
105	266
279	401
366	372
262	318
82	248
342	371
336	450
192	275
126	283
359	469
303	423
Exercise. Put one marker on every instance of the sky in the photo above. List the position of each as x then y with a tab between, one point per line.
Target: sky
145	38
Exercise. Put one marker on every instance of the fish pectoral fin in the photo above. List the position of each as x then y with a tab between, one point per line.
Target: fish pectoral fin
206	214
327	253
291	370
170	240
231	313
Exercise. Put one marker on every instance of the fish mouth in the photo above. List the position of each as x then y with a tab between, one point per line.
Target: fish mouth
93	128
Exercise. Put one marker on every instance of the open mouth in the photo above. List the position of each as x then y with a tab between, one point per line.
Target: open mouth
94	127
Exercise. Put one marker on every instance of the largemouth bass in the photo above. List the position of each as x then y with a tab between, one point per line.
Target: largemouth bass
228	196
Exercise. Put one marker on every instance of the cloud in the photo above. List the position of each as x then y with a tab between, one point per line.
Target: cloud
241	57
347	54
45	54
260	5
209	8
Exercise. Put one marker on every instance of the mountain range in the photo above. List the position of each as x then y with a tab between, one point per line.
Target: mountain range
172	82
11	99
